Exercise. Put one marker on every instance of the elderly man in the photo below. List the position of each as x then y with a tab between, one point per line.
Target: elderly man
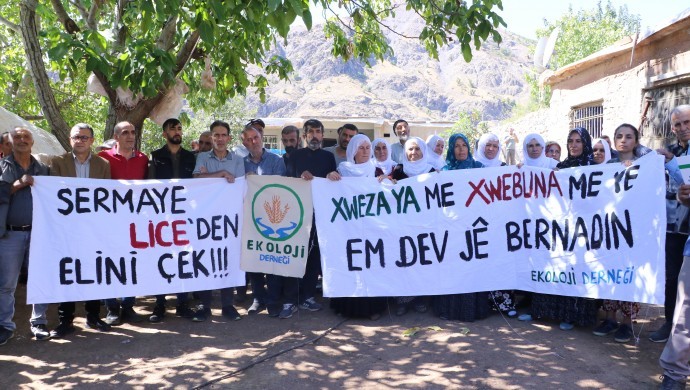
126	163
17	175
674	359
260	162
345	134
402	130
172	161
308	163
84	164
5	145
256	124
222	163
677	219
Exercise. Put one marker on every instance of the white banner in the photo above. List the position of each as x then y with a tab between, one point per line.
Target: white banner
277	222
94	239
595	232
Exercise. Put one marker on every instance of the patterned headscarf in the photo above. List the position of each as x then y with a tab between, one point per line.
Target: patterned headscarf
587	156
452	163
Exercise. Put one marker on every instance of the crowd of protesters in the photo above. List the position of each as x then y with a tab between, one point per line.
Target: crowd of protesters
355	155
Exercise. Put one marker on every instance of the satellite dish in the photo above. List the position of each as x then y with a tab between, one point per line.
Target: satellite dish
539	52
550	46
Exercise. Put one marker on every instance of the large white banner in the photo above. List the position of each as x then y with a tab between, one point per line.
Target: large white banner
593	232
95	239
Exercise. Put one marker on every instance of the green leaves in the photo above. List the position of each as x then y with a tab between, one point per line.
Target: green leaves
206	31
58	51
586	31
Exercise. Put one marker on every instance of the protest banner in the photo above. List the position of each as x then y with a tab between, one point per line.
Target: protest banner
277	223
94	239
594	232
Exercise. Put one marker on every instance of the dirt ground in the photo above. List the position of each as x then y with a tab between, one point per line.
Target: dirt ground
495	353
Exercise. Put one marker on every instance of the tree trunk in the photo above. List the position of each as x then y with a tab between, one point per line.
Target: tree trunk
34	59
110	123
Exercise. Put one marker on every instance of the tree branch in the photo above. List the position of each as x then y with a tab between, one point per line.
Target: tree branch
80	7
34	59
185	52
91	18
12	26
166	40
376	19
112	94
120	29
70	26
32	117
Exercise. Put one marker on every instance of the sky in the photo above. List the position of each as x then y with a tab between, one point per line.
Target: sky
523	17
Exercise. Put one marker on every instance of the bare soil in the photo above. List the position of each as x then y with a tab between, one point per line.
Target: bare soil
329	352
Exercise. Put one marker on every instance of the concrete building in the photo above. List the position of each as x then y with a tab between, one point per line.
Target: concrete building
372	127
638	80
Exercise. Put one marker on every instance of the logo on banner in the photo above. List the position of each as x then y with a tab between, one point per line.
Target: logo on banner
277	212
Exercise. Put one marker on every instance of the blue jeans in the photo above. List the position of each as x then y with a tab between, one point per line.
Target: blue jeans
14	249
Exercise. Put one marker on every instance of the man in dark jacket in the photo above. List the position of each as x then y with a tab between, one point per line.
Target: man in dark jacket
172	161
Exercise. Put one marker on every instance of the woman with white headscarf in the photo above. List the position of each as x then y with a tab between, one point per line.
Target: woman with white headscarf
533	153
381	155
435	145
414	163
358	164
415	160
488	150
601	151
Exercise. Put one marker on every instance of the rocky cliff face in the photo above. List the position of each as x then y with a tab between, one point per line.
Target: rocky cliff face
409	84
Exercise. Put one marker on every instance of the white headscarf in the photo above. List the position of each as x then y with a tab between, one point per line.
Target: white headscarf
540	162
388	164
607	149
481	157
350	167
438	161
414	168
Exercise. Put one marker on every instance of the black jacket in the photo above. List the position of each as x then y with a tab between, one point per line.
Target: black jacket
161	164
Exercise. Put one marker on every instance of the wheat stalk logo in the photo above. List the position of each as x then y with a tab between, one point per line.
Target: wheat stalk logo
275	215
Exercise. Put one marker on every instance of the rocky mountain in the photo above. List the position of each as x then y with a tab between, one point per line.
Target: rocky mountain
407	84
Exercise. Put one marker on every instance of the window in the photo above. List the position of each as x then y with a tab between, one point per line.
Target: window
590	116
661	102
270	141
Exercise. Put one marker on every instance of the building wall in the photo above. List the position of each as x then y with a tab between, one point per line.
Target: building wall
372	127
622	86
